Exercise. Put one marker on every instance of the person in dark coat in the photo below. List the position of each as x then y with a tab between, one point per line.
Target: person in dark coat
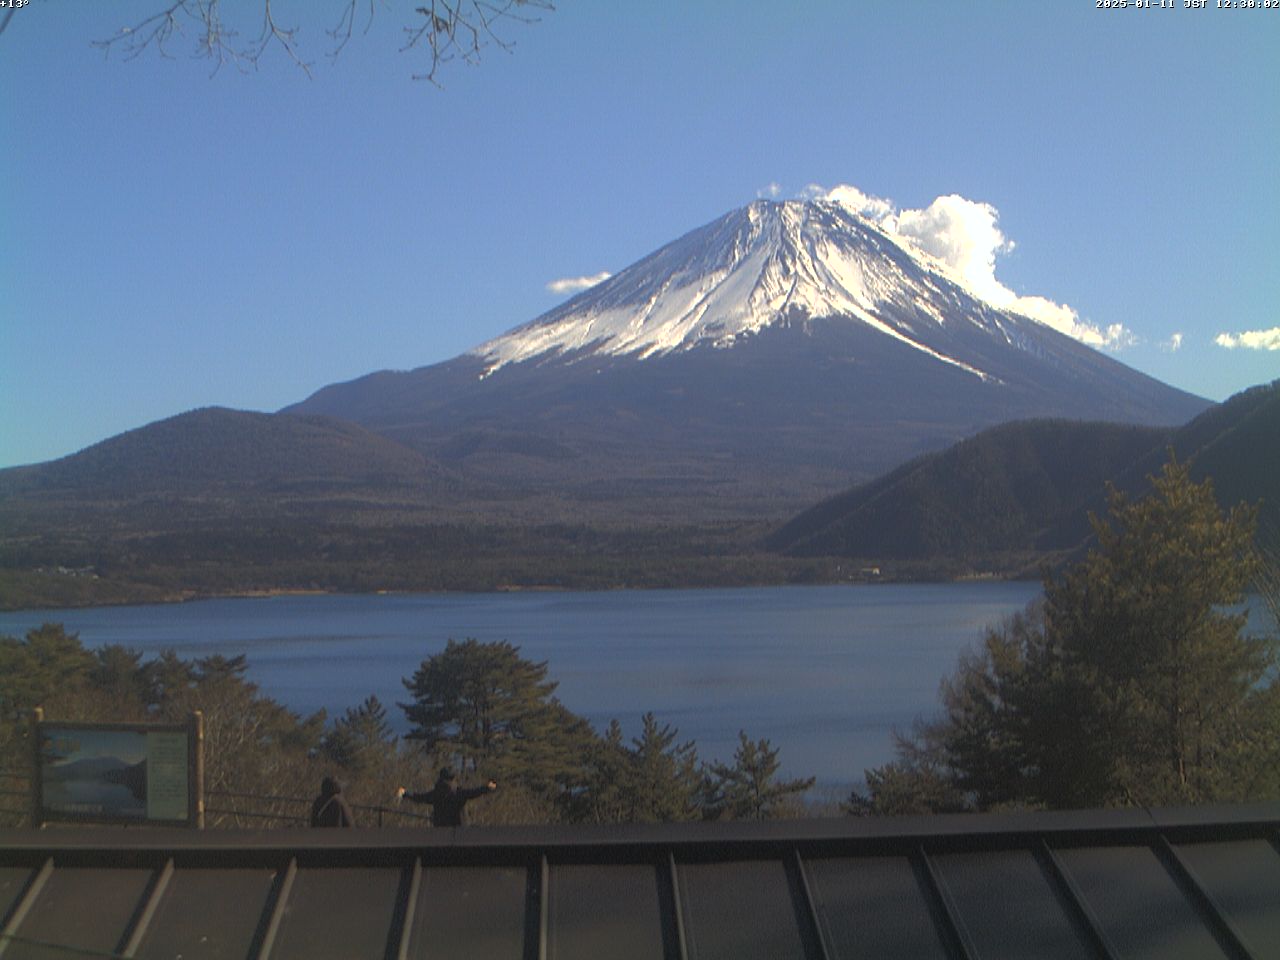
447	799
330	809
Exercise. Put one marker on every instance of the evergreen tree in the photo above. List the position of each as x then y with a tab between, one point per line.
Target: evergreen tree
1156	688
119	677
749	789
168	679
900	788
664	780
918	781
983	735
483	707
361	739
656	779
48	668
605	796
1135	684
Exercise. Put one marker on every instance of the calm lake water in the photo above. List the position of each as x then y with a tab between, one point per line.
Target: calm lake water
825	672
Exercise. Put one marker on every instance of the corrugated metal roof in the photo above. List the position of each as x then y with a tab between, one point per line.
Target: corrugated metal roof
1134	884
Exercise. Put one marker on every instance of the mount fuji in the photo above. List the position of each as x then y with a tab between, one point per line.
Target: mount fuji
769	358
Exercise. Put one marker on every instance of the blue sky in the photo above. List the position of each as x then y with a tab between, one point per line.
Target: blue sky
171	239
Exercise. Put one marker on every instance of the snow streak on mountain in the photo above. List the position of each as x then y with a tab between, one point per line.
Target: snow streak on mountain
767	264
749	368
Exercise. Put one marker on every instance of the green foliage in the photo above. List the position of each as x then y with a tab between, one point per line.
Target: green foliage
663	779
473	698
252	743
484	708
481	707
985	703
120	677
656	779
750	788
1133	685
905	788
1156	681
48	668
605	794
361	740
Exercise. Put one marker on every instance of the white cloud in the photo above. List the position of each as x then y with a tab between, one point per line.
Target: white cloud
574	284
770	190
1173	344
877	209
1250	339
964	237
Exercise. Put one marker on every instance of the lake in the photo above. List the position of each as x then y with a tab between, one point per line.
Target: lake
825	672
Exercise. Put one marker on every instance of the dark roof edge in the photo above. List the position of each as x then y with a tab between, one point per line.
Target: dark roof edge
1125	825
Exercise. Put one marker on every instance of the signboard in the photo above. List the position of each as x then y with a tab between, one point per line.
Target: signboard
119	772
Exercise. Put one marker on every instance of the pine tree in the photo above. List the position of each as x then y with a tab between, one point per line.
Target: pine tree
1156	692
663	775
749	789
1134	684
606	789
484	708
656	779
362	738
48	667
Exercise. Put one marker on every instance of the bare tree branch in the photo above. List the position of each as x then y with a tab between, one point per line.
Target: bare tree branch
449	30
271	30
342	32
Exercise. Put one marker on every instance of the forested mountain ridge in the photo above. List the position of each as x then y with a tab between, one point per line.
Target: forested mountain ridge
1003	489
1029	487
216	448
221	502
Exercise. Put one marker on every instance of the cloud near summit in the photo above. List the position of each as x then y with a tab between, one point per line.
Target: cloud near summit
964	237
575	284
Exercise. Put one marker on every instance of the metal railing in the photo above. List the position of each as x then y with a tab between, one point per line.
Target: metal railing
366	814
223	805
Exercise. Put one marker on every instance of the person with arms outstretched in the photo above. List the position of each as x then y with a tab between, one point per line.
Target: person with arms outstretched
448	800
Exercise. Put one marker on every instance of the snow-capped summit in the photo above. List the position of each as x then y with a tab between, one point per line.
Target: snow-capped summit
770	263
771	357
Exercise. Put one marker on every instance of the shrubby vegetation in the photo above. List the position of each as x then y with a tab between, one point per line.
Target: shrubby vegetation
479	707
1132	683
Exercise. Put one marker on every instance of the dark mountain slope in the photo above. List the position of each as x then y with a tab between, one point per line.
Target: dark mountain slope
215	450
1244	456
1235	444
1002	490
1029	487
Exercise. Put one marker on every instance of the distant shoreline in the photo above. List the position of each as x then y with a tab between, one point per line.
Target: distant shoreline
141	595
